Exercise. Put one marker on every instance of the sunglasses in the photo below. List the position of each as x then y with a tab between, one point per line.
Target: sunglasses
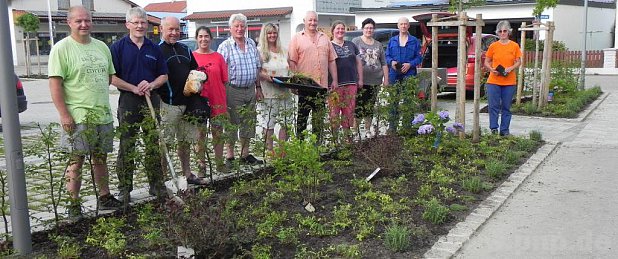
503	31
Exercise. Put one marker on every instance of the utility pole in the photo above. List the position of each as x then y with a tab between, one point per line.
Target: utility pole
582	69
20	218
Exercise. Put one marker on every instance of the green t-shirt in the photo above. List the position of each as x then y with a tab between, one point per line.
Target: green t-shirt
85	71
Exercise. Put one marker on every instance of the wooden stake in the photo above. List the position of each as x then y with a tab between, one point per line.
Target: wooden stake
461	73
434	65
520	76
476	128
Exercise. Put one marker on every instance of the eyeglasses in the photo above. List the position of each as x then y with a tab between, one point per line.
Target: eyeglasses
139	23
503	31
368	28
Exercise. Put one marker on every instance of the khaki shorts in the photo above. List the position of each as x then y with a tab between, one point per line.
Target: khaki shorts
175	127
241	108
98	139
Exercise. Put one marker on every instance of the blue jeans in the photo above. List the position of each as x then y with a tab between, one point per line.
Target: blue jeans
500	99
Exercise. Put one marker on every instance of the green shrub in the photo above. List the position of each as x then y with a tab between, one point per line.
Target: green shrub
68	247
260	252
536	135
472	184
495	168
397	238
435	212
457	207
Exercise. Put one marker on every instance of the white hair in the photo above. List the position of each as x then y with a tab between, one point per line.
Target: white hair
238	17
504	25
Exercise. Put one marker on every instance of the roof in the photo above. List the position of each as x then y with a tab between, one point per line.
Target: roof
250	13
167	7
130	2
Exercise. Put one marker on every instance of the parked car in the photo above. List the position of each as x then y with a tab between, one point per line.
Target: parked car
381	35
192	43
447	50
22	103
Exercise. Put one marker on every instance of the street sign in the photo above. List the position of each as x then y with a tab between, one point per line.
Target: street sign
544	16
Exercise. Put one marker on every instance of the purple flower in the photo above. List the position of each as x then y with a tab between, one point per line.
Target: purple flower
451	130
443	115
425	129
458	126
419	119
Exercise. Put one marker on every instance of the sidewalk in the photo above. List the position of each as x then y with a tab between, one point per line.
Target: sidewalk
566	208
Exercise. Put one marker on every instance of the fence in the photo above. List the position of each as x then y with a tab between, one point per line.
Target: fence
594	58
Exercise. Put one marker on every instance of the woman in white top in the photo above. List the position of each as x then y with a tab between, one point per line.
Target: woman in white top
277	105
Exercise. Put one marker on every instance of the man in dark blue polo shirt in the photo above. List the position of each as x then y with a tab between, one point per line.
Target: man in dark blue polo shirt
140	68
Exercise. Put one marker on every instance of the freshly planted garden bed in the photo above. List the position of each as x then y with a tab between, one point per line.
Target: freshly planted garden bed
421	191
563	105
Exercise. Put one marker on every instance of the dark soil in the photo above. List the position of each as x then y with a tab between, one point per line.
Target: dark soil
384	152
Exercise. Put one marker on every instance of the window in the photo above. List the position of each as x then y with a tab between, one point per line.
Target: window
64	4
89	4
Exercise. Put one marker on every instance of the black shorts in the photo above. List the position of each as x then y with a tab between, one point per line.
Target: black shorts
366	100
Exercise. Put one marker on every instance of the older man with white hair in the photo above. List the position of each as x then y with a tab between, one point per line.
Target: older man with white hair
180	62
243	61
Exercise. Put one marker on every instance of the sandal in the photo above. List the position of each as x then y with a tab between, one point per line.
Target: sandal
196	180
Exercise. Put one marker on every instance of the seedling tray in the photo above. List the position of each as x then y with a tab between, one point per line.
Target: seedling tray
311	85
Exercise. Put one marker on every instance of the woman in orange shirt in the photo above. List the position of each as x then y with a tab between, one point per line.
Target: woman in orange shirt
502	57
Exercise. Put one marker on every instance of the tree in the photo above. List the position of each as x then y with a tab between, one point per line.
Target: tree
541	5
460	5
30	23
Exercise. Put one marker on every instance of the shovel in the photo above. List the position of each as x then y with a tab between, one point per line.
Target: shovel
177	183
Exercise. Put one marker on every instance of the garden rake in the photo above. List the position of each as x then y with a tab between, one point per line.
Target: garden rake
176	183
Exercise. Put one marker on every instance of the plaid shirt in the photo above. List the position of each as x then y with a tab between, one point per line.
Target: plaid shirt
242	66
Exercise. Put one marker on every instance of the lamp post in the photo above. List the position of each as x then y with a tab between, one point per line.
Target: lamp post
582	70
51	27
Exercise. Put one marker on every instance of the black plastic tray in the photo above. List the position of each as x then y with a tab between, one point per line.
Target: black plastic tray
312	87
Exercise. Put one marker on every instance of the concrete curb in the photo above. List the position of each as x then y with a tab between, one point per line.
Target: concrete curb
448	245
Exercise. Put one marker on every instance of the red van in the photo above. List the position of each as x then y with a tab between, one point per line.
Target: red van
447	50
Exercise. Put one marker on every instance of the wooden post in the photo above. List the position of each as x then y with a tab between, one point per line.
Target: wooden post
38	54
549	42
520	75
476	128
545	71
461	72
434	65
535	86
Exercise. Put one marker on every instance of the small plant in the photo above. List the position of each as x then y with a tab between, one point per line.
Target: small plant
495	168
435	212
68	247
341	216
348	251
261	252
472	184
536	136
397	238
301	165
457	207
288	236
107	234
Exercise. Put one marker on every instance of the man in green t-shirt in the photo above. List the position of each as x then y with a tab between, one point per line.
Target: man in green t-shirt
80	70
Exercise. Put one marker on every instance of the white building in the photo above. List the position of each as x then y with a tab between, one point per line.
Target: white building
108	18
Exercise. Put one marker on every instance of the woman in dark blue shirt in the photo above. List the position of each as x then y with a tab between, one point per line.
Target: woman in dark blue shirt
403	54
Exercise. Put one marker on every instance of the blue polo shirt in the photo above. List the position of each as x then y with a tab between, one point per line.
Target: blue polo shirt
135	64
